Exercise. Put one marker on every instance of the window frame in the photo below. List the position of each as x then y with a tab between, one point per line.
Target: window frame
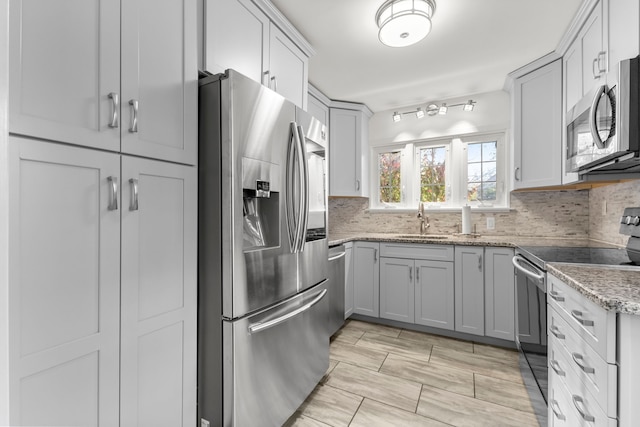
455	174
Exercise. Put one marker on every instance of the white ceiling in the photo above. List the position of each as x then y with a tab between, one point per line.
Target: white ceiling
473	45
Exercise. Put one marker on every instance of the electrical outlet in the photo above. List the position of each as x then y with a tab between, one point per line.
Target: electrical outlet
491	223
204	423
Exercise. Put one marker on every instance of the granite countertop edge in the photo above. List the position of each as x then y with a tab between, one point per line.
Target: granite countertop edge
610	287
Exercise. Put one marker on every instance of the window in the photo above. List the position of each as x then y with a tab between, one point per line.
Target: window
389	175
442	173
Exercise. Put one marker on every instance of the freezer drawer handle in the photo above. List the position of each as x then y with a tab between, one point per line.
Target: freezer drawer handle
257	327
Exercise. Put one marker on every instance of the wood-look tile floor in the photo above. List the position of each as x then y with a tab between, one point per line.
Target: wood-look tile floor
384	376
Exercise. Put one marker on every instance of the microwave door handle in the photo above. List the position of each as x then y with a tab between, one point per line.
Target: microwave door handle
593	126
292	226
305	187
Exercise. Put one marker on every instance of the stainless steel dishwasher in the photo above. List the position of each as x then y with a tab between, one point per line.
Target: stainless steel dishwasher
336	288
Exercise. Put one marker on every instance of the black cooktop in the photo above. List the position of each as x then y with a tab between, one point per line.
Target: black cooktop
576	255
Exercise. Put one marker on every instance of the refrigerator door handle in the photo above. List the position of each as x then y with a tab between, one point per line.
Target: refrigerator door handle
304	172
292	227
261	326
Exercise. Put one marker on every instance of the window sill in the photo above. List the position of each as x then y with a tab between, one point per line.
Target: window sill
482	209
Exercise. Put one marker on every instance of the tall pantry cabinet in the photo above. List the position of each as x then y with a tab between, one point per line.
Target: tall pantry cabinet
102	212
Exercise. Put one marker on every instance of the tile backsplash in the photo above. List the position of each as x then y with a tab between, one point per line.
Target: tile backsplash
567	213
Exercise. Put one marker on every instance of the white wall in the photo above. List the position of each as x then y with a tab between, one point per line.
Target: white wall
490	114
4	217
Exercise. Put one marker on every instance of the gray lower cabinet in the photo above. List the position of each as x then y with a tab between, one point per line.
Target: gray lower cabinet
499	297
434	303
348	279
469	289
366	278
397	277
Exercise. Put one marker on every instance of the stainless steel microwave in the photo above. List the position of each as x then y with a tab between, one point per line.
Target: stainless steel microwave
603	129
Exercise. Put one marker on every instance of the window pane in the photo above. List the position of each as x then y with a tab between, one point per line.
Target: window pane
473	191
389	175
489	191
489	171
432	174
474	172
489	150
474	153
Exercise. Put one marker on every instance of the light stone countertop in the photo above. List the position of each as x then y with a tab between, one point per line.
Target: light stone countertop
615	288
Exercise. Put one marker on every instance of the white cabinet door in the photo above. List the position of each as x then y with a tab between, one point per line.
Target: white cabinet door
434	294
159	301
318	109
348	153
348	280
397	289
499	285
64	61
64	276
159	79
366	279
538	128
624	42
288	68
593	51
572	61
469	289
236	36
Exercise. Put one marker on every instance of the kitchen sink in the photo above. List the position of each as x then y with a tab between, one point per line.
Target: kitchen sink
424	236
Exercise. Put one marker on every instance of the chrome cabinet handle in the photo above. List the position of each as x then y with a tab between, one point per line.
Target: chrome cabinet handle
480	262
134	194
596	75
579	404
417	274
556	332
556	296
357	185
265	78
516	174
576	314
578	358
113	196
274	80
375	256
556	367
410	274
134	116
115	102
556	410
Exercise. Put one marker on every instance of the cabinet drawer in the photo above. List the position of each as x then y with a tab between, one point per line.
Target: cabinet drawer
431	252
577	406
578	363
593	323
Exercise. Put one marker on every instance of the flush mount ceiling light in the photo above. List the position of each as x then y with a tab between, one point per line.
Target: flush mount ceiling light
404	22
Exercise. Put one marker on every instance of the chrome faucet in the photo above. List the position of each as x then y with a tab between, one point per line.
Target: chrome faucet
422	218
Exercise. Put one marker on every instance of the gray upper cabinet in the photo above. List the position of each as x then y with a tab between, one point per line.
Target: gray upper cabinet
537	104
469	289
255	39
64	62
159	80
366	276
111	75
499	297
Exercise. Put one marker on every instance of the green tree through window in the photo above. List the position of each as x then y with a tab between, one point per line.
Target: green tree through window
432	174
389	173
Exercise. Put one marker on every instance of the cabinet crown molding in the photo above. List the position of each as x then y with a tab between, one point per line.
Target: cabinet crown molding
351	106
575	25
287	27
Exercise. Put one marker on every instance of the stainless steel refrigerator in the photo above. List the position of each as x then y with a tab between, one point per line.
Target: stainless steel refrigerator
263	304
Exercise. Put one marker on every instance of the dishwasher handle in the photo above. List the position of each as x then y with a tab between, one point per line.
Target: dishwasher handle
261	326
339	255
519	263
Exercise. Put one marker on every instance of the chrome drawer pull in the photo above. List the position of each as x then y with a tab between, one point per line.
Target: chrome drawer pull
578	316
579	404
556	410
577	357
556	332
555	296
556	367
